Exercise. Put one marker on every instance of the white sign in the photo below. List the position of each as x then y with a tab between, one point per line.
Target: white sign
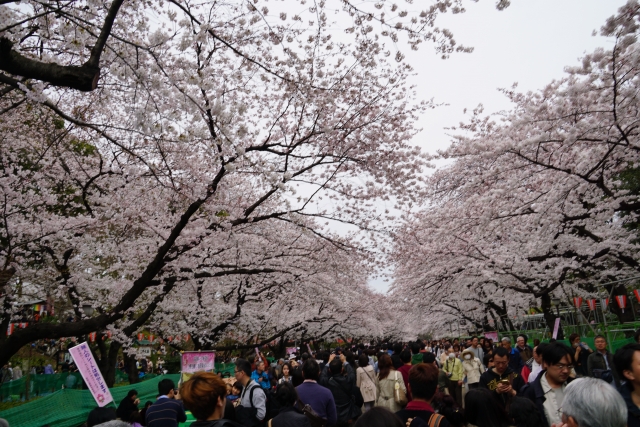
144	352
92	376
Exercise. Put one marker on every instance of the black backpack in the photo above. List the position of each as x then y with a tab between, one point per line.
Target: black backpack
248	416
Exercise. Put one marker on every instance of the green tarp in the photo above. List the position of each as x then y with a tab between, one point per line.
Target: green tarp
70	407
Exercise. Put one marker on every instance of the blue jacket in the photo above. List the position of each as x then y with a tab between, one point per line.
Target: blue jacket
515	361
265	383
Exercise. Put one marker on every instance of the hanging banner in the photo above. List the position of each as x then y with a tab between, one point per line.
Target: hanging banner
577	301
491	335
622	301
636	292
91	375
556	328
604	303
195	361
592	304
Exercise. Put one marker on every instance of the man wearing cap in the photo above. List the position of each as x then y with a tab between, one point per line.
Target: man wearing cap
515	361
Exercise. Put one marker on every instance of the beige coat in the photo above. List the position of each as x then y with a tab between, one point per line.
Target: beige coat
472	368
386	389
367	376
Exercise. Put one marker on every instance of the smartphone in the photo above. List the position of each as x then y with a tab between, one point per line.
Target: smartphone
504	381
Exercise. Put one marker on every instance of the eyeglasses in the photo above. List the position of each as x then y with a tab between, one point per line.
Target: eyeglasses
562	367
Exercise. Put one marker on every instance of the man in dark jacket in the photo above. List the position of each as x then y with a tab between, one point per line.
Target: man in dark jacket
423	383
600	363
501	379
627	363
547	390
344	394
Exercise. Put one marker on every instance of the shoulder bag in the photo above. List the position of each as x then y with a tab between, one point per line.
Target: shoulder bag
399	395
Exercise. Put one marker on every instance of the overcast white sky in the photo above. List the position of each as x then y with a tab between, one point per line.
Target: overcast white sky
530	43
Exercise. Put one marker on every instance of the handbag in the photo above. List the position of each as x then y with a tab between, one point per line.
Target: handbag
399	395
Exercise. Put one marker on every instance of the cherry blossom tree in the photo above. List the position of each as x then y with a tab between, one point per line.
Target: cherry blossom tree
161	158
537	201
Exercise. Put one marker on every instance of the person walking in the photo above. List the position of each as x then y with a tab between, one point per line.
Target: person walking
388	381
472	367
455	375
600	363
548	389
252	408
627	362
367	381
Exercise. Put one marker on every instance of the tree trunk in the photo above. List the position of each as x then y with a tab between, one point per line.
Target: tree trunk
130	366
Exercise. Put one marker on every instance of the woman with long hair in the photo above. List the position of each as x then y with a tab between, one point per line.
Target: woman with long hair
388	380
286	374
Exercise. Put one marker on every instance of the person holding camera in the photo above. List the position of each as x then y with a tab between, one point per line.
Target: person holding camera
455	376
581	355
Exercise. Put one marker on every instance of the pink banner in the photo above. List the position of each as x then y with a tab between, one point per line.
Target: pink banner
195	361
556	328
88	368
492	336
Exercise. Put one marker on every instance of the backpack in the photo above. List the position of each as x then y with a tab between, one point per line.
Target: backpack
435	420
248	416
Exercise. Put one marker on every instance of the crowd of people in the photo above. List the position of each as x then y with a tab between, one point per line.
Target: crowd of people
475	383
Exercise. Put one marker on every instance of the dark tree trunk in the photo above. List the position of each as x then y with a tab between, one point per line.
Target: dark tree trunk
130	366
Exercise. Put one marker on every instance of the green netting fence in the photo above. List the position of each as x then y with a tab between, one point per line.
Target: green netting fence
56	406
44	384
70	407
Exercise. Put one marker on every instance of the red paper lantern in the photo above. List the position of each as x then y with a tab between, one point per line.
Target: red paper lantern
140	336
10	329
622	301
151	337
636	292
577	301
92	337
592	304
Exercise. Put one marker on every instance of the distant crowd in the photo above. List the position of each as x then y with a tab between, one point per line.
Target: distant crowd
442	383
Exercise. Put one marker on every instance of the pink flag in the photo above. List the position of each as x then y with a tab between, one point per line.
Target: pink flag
92	376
